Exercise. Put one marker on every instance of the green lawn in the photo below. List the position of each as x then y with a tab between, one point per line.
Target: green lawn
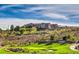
54	48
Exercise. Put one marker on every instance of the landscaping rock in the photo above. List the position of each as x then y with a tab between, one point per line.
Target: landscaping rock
16	49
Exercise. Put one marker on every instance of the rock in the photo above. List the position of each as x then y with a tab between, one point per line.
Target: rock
77	47
16	49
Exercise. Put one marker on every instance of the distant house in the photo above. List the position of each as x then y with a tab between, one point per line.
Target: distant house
30	25
54	26
43	25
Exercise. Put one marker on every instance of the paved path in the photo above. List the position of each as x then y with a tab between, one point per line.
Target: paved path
72	47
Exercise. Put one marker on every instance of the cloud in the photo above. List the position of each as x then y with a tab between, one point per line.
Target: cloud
8	6
56	16
19	22
62	13
47	11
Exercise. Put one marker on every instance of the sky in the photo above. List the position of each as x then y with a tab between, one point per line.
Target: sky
20	14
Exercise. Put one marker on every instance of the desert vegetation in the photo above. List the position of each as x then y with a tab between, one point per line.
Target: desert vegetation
26	39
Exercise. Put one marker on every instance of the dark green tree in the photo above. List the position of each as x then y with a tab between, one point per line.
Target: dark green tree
12	27
65	38
17	28
51	37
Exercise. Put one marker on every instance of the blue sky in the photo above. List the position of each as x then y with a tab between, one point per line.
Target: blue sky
19	14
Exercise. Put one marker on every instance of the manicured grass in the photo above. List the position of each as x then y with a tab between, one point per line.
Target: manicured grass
54	48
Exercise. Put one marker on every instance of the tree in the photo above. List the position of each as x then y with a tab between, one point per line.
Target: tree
51	37
12	27
33	29
17	28
18	33
0	30
22	30
65	38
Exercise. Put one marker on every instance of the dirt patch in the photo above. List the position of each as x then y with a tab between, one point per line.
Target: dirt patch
15	49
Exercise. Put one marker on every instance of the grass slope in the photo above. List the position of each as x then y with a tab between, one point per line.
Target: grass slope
54	48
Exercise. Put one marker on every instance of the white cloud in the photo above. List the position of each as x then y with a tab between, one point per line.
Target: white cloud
7	6
5	23
37	8
49	11
52	11
55	15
